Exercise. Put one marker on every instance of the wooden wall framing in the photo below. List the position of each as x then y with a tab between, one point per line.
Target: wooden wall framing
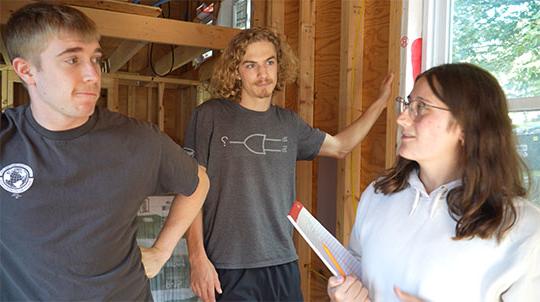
144	28
377	24
141	97
345	48
137	26
335	86
304	169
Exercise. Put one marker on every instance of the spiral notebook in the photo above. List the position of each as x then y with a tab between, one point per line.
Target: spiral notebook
332	253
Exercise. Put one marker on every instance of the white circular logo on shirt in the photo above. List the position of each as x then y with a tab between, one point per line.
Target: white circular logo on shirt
16	178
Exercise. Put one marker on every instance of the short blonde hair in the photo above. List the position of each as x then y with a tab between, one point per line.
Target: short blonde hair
224	82
30	28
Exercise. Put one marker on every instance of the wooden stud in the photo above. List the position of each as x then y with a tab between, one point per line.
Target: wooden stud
307	60
365	33
376	50
394	65
327	49
9	78
12	79
149	104
179	118
291	25
258	13
351	64
132	101
3	49
5	84
185	107
106	83
275	16
305	110
161	108
131	95
113	103
326	112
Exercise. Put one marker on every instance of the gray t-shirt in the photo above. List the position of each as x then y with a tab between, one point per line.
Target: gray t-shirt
251	159
69	201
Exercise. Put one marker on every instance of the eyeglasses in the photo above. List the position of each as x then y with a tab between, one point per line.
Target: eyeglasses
415	106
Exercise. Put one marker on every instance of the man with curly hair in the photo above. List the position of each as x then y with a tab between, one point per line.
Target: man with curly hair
241	245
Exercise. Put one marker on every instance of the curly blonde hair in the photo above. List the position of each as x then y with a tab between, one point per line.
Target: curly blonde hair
225	83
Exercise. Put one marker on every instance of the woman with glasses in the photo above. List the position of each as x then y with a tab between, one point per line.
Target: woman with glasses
449	222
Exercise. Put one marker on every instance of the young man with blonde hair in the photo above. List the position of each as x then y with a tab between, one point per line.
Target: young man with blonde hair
241	245
73	176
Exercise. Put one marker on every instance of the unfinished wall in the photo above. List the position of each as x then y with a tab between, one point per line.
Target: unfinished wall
351	41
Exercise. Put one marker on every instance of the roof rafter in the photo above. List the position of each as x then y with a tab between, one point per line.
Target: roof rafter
182	56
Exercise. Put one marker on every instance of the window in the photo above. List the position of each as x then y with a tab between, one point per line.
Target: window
235	13
502	36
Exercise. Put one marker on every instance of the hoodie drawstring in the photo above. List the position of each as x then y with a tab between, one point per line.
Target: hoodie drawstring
415	203
434	205
436	202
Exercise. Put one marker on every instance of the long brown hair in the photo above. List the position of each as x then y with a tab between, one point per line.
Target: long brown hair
224	82
492	169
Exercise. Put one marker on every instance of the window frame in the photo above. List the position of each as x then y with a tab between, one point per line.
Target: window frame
436	45
436	50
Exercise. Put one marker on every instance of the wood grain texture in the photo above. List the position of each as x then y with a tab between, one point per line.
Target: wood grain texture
377	21
115	6
394	65
325	110
306	52
350	108
291	35
327	59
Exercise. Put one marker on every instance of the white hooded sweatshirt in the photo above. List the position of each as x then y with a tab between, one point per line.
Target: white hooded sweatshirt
405	240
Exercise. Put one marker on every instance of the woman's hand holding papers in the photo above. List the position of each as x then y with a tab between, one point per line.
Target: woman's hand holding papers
347	288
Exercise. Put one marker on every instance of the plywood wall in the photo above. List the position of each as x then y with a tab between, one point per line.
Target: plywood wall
352	54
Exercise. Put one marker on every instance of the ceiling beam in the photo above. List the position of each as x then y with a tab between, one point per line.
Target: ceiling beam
143	28
115	6
123	53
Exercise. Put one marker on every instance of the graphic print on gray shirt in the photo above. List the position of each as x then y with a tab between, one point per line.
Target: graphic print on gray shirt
250	158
